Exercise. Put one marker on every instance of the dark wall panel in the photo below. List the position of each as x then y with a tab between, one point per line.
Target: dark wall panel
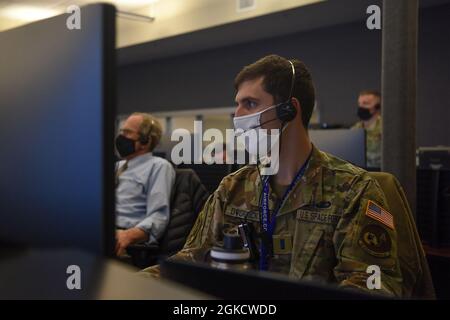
343	60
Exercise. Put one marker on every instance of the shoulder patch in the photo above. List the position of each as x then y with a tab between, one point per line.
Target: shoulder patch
375	240
377	212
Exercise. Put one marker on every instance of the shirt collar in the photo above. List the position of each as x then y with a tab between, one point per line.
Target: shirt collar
139	159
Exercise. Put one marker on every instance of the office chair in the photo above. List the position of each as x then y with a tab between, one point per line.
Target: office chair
413	262
210	174
187	200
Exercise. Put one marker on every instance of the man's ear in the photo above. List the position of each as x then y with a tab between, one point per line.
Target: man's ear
297	107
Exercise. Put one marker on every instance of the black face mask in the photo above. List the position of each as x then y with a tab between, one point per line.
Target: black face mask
125	146
364	114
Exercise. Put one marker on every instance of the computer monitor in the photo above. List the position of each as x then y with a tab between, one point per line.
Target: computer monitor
347	144
250	284
57	96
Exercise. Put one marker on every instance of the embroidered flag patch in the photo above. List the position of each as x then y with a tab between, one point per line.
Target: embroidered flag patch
378	213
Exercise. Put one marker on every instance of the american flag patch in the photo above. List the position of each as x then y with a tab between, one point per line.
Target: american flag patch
378	213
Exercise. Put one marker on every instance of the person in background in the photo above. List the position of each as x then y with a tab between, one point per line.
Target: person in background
144	183
369	113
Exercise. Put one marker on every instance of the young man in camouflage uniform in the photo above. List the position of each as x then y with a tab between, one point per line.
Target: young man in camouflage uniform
369	112
335	221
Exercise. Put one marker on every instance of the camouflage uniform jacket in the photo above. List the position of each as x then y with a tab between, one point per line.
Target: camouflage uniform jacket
373	142
334	240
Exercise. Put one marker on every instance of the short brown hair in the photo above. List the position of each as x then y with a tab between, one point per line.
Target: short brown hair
372	92
150	128
277	73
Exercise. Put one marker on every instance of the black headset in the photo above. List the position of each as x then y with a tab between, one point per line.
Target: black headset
286	111
144	139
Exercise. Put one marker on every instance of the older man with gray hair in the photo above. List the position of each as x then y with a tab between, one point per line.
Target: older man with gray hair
143	183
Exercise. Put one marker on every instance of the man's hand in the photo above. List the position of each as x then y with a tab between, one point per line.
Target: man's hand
124	238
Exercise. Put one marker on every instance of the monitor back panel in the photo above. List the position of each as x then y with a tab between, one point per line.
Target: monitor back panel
56	130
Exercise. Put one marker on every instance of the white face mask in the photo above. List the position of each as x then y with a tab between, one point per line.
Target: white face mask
249	126
251	121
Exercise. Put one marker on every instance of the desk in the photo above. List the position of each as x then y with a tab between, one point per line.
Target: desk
42	274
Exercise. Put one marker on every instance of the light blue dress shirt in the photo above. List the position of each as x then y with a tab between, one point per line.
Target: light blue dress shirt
143	195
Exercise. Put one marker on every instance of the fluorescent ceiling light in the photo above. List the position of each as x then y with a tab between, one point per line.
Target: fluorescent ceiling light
27	13
129	3
134	16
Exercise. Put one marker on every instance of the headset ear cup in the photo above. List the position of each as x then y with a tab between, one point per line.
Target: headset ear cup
286	112
143	140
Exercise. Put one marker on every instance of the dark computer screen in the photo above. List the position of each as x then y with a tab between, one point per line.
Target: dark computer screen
56	129
347	144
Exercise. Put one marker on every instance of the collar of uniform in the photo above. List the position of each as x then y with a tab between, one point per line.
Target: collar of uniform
253	186
378	122
139	159
306	192
375	124
309	190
